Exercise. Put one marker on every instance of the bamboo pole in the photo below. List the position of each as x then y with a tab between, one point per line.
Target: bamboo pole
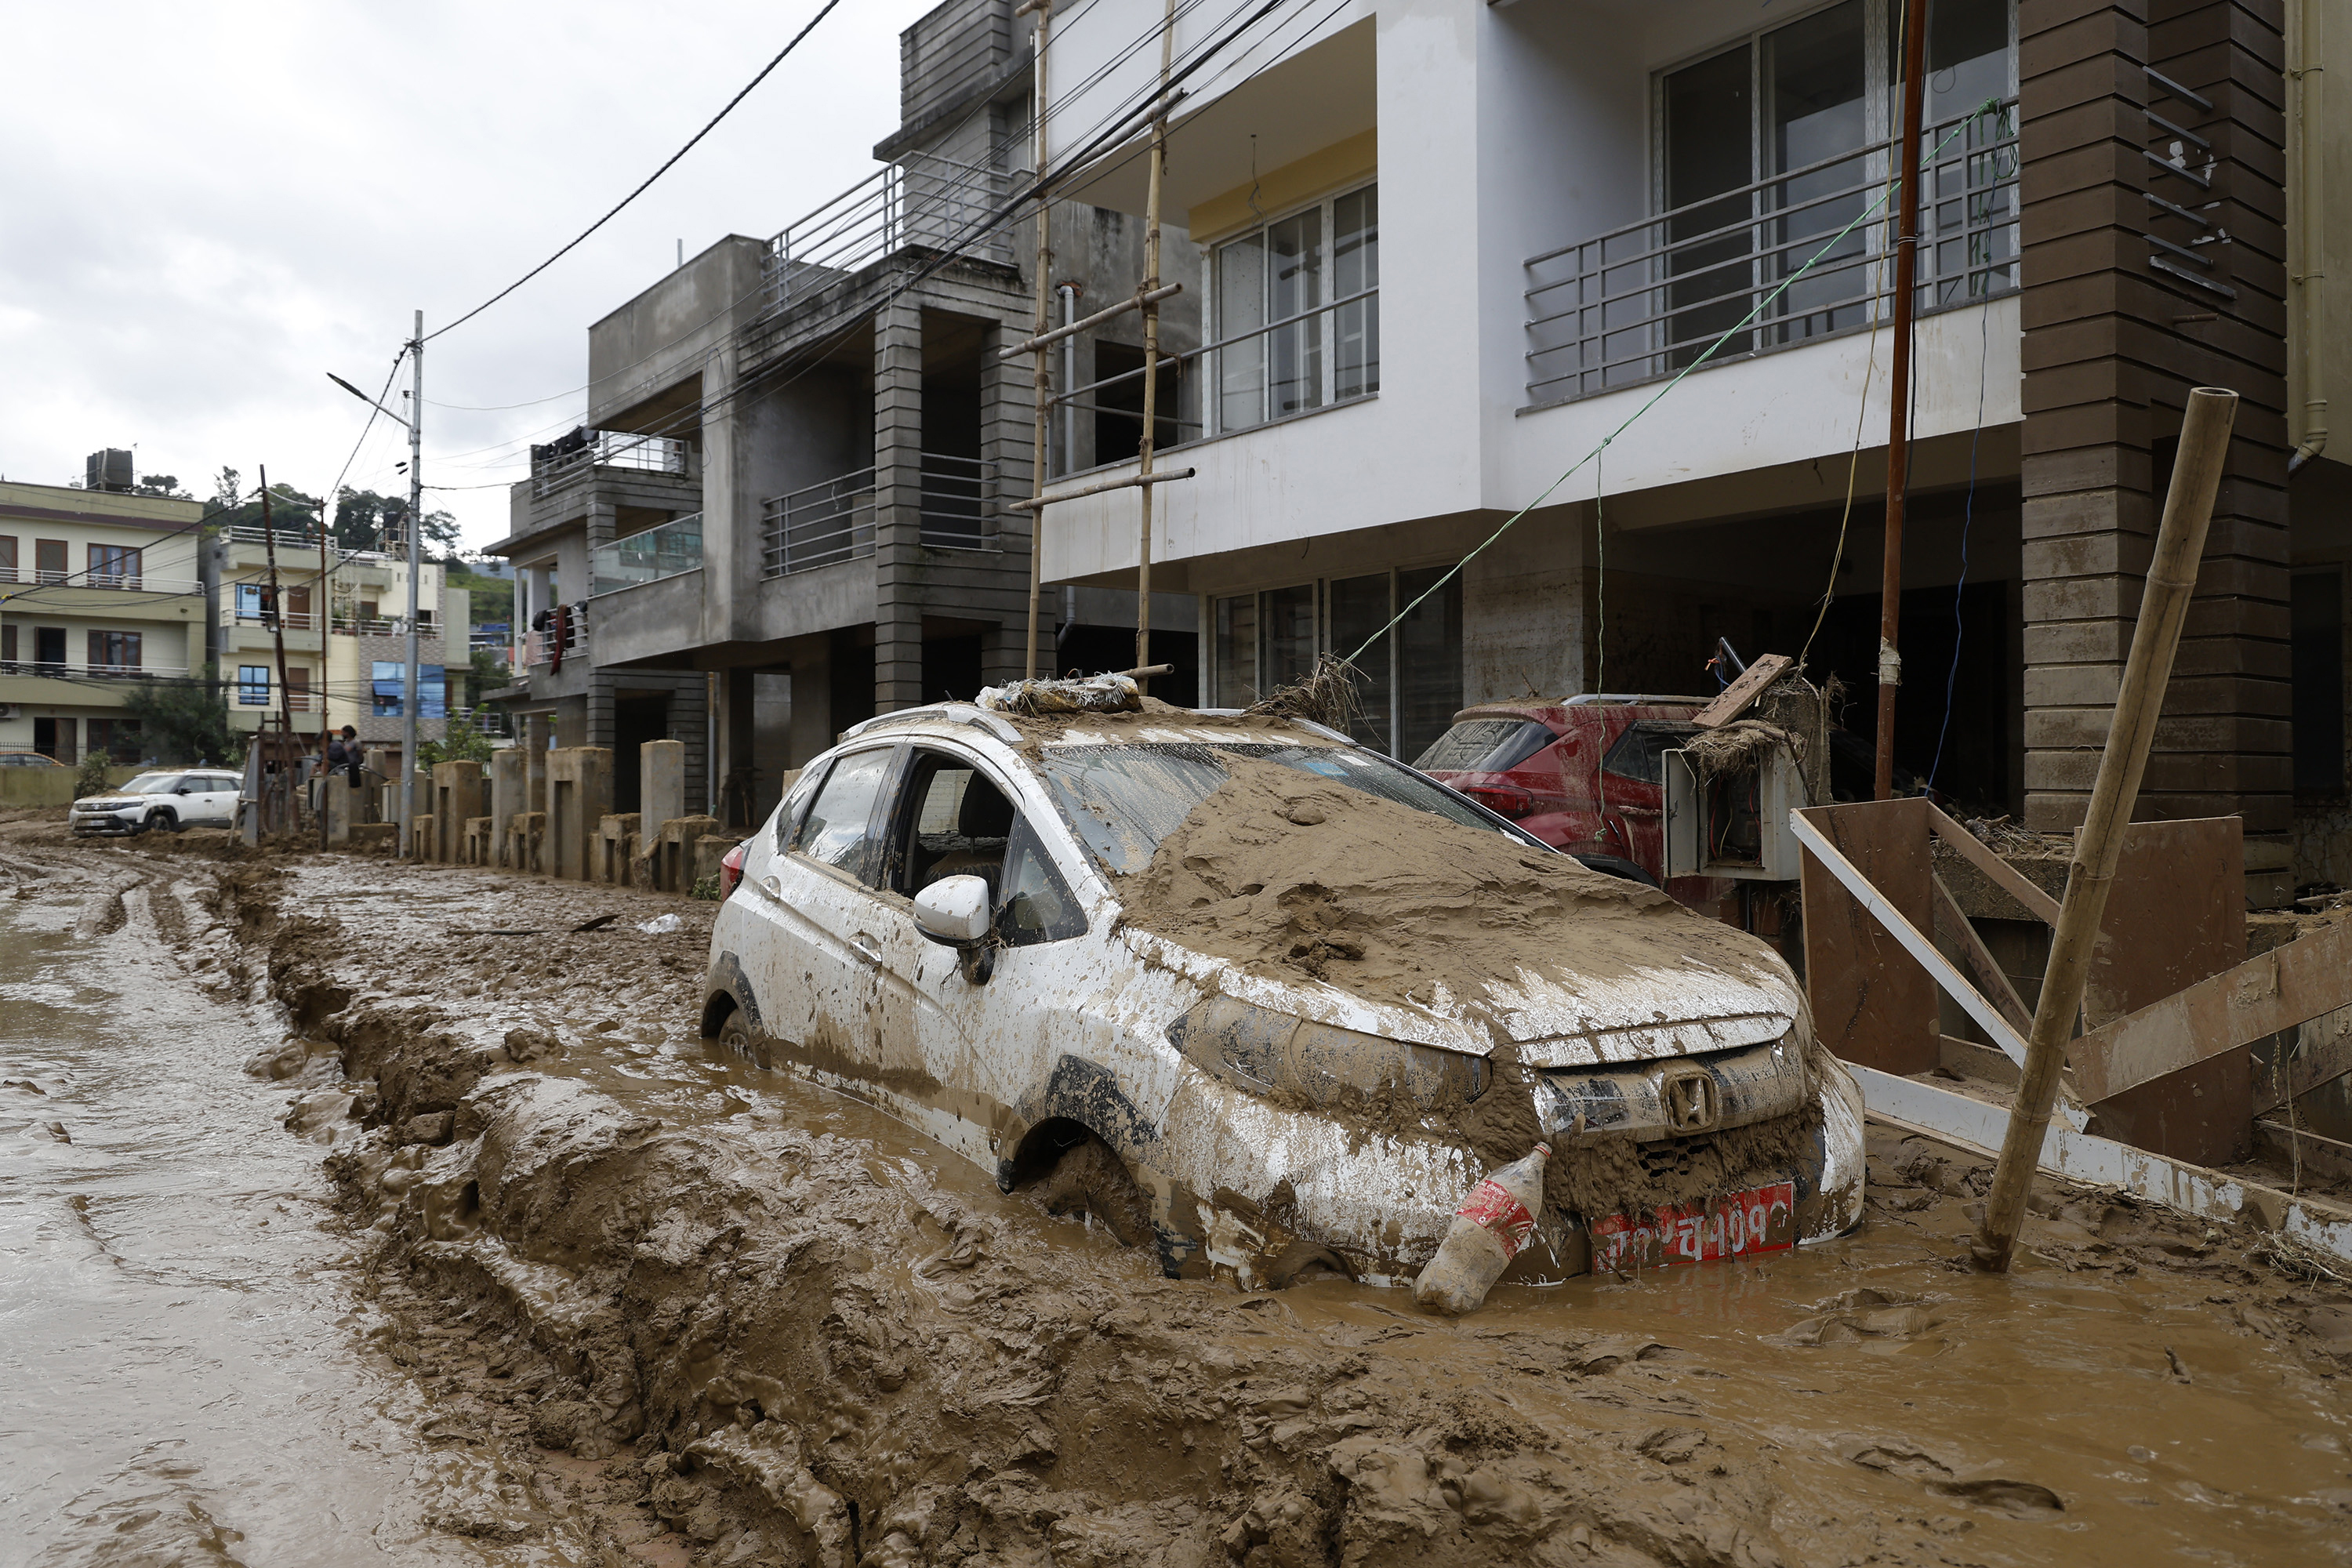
1149	294
2164	605
1899	398
1041	376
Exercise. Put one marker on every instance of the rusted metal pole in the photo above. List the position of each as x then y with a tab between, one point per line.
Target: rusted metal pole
1149	293
276	605
2164	605
1041	376
1898	399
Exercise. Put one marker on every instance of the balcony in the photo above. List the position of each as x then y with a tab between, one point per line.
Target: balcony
293	620
833	520
558	461
1645	301
276	538
60	669
669	551
570	642
920	202
117	581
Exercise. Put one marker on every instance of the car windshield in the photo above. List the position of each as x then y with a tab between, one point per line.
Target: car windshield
1123	800
151	783
1486	746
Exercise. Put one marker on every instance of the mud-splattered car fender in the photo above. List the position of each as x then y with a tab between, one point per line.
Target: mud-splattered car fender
726	991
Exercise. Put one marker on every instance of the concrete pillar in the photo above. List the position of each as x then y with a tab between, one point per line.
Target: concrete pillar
2112	346
616	845
509	771
537	738
1007	405
897	507
661	780
579	796
811	702
457	800
339	803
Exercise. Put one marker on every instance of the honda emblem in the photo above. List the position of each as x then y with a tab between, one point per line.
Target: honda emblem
1690	1102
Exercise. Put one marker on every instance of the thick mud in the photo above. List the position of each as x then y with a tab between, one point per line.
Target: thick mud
664	1306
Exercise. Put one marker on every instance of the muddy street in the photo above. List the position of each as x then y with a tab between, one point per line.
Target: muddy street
400	1220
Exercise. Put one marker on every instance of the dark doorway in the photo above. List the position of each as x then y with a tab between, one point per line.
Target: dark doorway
54	736
951	668
1972	769
636	721
851	671
2317	631
1083	649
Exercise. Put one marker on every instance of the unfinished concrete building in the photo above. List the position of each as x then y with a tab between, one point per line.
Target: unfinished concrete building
789	496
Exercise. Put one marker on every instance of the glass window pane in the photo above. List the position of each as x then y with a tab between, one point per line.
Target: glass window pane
1289	635
1237	651
1295	283
835	829
1359	608
1710	139
1815	95
1356	266
1241	307
1037	905
1429	660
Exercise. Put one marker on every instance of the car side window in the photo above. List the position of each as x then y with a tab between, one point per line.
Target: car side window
838	828
796	799
959	823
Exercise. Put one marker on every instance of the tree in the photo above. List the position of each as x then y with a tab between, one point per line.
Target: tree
290	511
227	487
164	485
185	720
460	742
366	520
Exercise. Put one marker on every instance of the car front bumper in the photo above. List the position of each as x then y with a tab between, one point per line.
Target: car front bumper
115	822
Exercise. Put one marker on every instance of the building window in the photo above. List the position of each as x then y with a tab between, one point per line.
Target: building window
114	566
7	558
8	648
1409	681
1298	311
49	645
387	678
253	685
113	650
48	560
298	691
117	739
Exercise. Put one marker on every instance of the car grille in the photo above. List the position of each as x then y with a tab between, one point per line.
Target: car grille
1672	1156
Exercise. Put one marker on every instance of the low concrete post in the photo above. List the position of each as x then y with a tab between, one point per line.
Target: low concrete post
616	835
457	800
420	835
526	842
673	857
579	796
661	780
708	851
479	836
508	779
340	803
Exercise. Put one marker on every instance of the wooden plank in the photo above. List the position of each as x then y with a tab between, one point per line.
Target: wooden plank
2288	1145
2272	991
1990	982
2324	1054
2005	876
1889	919
1871	1001
1734	698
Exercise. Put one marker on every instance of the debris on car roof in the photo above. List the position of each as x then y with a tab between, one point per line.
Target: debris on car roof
1042	698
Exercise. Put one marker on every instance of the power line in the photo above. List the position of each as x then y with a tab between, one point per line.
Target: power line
823	13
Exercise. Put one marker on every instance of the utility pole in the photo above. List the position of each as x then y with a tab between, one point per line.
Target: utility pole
1041	377
1899	398
276	605
1150	293
415	532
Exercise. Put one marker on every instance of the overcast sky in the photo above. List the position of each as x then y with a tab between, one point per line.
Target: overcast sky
206	207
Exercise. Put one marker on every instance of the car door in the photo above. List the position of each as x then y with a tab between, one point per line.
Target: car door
219	798
987	1044
813	963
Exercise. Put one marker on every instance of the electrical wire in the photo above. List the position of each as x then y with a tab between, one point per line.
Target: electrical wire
822	12
1967	518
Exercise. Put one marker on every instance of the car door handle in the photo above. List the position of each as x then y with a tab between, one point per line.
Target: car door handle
773	886
867	948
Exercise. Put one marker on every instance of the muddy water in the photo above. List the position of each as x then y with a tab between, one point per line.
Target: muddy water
183	1376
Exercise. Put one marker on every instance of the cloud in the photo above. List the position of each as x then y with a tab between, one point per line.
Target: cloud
209	207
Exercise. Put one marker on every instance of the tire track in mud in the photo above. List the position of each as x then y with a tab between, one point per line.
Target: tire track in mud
671	1309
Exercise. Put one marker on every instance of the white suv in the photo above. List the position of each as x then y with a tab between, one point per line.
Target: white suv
168	801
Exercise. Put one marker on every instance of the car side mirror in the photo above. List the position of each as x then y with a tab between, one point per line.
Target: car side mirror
953	911
184	789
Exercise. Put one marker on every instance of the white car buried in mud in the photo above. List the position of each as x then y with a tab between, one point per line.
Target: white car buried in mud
1267	1000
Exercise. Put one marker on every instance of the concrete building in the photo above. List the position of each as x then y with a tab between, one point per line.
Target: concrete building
98	590
1467	263
787	509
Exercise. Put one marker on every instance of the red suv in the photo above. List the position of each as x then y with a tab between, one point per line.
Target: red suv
1585	776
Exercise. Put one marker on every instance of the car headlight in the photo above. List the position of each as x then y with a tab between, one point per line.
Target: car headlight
1269	1052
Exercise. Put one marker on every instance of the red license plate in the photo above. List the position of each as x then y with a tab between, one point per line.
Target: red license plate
1738	1224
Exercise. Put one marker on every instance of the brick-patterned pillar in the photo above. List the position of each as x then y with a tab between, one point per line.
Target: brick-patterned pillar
2113	343
897	506
1008	406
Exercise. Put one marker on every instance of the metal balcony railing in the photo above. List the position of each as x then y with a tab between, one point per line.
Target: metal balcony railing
833	520
367	627
283	538
1645	300
817	524
921	201
89	671
665	552
575	640
295	620
559	460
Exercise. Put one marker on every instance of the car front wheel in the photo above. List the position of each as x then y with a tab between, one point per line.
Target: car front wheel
163	820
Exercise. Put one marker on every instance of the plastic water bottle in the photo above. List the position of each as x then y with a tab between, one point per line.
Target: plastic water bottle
1488	1232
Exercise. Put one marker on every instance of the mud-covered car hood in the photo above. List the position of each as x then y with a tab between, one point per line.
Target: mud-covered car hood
1553	1020
107	803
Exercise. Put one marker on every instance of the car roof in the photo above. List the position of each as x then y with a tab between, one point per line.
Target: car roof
937	716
